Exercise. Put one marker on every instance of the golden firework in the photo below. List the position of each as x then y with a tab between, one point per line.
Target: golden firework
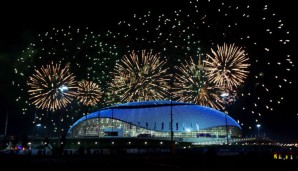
138	78
191	86
227	67
52	87
88	93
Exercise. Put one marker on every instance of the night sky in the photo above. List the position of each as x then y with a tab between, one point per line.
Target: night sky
21	24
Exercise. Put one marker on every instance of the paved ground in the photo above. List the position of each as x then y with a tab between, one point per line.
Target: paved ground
188	161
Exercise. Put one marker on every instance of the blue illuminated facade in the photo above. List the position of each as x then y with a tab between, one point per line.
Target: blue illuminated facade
153	118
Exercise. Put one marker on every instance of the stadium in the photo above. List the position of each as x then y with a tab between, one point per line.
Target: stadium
157	120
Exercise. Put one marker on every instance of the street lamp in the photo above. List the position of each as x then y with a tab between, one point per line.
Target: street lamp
258	126
171	116
224	96
38	125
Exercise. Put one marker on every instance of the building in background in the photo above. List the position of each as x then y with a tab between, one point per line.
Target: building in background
152	119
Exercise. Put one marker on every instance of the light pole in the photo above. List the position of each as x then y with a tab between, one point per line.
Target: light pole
6	122
224	97
227	128
171	116
171	120
98	126
38	125
258	126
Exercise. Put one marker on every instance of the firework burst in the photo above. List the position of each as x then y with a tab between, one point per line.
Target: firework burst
88	93
191	86
203	24
86	52
176	34
227	67
139	78
90	56
52	87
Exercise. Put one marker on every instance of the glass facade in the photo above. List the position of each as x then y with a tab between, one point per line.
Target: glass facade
104	127
153	119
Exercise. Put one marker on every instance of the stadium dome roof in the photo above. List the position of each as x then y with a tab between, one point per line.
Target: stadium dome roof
152	114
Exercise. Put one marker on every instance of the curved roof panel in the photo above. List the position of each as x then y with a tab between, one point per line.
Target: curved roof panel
156	115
